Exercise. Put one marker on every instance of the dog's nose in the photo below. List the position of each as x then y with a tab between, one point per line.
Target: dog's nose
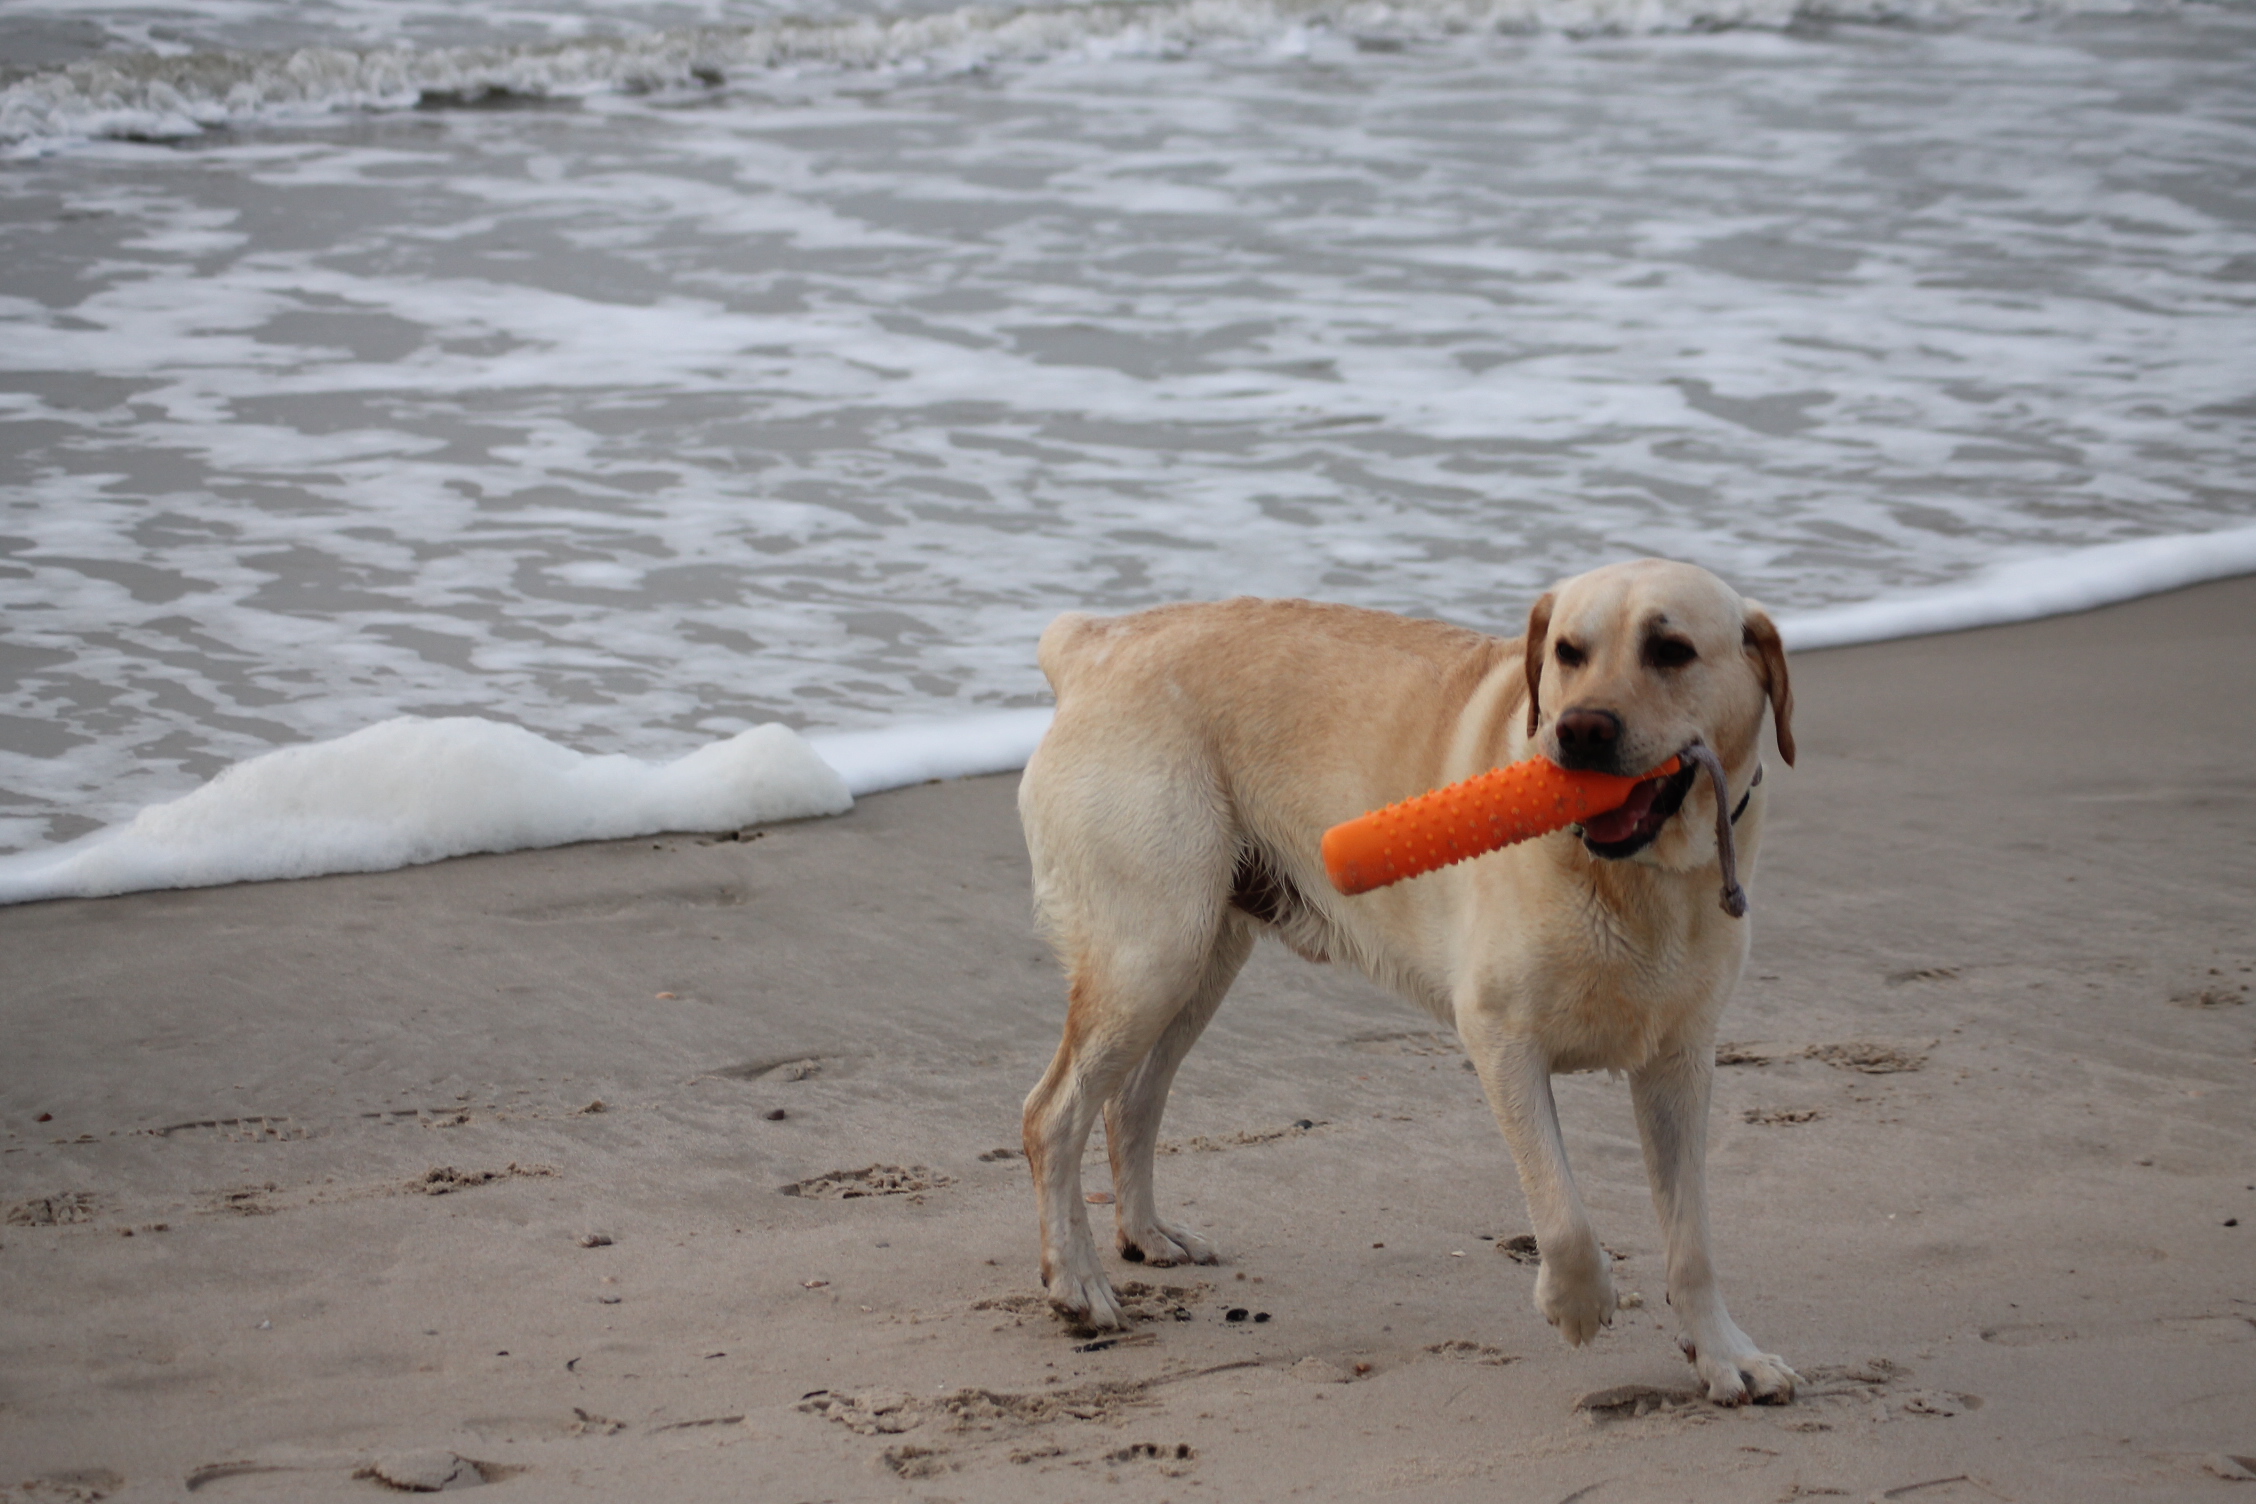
1587	738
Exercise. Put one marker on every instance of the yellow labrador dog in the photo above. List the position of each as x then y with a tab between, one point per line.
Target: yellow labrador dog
1175	809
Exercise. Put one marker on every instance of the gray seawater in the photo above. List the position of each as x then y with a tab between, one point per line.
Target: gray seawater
808	388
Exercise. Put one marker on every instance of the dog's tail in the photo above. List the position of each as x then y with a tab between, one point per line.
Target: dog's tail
1063	647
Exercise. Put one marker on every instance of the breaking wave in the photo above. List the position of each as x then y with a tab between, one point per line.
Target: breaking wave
164	97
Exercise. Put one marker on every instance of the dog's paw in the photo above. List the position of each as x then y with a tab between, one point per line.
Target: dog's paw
1086	1299
1163	1245
1743	1376
1577	1300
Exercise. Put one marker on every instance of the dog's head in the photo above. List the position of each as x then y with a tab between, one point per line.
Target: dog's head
1629	664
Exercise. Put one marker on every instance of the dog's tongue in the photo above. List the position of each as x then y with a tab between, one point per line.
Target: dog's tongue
1621	824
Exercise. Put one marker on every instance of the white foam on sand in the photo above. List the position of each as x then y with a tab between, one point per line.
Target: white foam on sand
2031	589
892	757
407	790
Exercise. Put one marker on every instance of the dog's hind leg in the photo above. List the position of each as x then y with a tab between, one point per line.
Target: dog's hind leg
1671	1098
1120	1008
1132	850
1132	1114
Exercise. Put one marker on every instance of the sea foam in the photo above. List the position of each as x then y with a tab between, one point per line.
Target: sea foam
895	756
2031	589
408	791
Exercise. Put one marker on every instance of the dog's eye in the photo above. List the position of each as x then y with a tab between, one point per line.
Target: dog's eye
1569	655
1669	652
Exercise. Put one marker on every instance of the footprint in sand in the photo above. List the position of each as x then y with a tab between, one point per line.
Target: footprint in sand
60	1210
1633	1401
426	1471
1476	1352
260	1128
871	1180
427	1117
2029	1333
1938	1491
889	1412
774	1070
1139	1302
1871	1057
1772	1117
1875	1384
78	1485
215	1472
911	1461
433	1471
1216	1143
440	1180
701	1424
244	1201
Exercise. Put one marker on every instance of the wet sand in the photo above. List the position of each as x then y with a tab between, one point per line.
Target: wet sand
308	1178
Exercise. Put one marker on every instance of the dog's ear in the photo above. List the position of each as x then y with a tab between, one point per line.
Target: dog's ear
1538	634
1763	641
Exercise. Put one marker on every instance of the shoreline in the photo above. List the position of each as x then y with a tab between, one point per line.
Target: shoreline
1973	1162
327	825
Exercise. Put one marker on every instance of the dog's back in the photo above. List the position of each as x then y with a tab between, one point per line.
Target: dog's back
1248	676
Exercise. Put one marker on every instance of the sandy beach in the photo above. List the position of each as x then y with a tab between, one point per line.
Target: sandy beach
685	1168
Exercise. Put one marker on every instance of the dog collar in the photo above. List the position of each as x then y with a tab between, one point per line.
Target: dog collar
1748	797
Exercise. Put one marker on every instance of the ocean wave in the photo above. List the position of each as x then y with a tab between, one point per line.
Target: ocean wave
408	791
153	97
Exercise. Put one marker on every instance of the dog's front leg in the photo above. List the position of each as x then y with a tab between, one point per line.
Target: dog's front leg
1671	1096
1574	1288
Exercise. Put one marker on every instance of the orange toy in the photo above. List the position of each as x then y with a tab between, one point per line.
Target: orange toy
1497	808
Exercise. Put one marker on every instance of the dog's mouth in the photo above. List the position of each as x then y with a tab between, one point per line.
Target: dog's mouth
1630	829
